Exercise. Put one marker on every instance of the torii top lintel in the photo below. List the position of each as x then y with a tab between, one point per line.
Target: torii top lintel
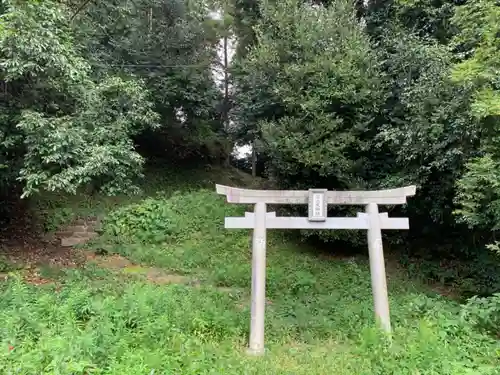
383	197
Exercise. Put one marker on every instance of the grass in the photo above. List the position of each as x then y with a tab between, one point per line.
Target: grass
319	315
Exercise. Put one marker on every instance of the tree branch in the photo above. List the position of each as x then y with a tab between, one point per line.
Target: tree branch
83	6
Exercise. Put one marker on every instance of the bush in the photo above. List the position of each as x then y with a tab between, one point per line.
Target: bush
484	313
152	220
180	217
127	329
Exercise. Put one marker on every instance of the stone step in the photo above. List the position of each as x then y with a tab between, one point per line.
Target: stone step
73	241
97	226
84	234
79	231
83	221
94	223
76	228
81	228
63	234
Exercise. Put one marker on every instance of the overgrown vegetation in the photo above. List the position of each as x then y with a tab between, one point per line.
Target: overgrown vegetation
397	93
337	94
319	313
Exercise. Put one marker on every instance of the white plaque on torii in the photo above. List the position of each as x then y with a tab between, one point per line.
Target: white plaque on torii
317	200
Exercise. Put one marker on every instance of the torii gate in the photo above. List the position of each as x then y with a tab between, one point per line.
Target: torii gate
317	200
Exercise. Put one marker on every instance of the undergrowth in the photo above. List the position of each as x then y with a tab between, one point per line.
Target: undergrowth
319	316
53	210
478	274
6	265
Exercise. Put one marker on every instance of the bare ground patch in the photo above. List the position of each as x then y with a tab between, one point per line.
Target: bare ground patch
38	263
30	257
122	265
27	256
41	261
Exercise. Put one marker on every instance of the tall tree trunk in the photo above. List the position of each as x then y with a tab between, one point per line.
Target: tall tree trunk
226	86
254	160
226	95
150	20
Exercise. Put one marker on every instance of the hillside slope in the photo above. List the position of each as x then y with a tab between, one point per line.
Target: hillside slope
165	290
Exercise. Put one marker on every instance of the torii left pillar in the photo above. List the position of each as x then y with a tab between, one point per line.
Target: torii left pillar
256	345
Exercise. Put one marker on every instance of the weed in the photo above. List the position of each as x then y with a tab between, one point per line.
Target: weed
149	221
484	314
51	272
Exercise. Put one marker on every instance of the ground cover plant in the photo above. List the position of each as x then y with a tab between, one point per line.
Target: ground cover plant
191	315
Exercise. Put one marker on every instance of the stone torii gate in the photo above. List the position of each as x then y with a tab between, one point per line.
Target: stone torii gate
317	200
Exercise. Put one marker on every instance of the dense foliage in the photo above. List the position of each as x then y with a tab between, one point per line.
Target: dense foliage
413	106
340	96
87	85
337	94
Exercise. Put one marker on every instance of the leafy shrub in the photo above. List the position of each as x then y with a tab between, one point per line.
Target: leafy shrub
484	313
178	218
152	220
202	210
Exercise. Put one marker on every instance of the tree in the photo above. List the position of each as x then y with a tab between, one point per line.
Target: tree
308	93
246	14
171	45
317	63
426	129
425	18
93	89
478	68
67	129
